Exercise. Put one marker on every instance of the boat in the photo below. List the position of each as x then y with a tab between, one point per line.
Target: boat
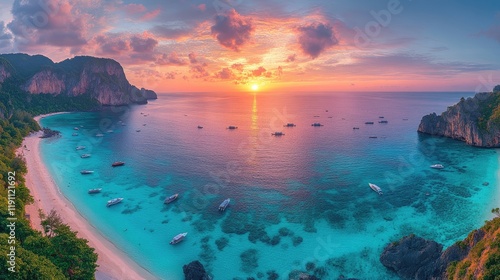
381	117
74	134
99	135
405	119
375	188
171	198
316	116
109	131
75	128
123	124
355	128
80	147
316	124
372	137
369	122
92	191
178	238
138	130
278	133
224	204
85	156
383	122
200	126
289	125
232	127
85	172
117	163
114	201
437	166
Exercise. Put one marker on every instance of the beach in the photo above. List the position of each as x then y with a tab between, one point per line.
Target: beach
113	263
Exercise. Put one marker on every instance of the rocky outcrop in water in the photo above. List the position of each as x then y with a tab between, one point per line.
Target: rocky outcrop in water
473	120
195	271
416	258
103	79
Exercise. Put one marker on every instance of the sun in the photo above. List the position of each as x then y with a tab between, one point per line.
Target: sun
255	87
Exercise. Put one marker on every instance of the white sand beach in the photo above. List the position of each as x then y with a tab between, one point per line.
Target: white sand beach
113	263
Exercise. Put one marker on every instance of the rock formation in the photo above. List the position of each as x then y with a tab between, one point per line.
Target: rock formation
473	120
195	271
101	78
416	258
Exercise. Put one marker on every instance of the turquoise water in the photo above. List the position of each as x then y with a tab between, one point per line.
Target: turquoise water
300	201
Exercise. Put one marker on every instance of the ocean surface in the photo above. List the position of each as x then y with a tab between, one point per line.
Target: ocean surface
299	202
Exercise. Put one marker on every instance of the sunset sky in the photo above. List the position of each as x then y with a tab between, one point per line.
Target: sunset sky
234	45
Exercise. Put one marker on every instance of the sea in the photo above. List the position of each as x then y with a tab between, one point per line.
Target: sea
300	202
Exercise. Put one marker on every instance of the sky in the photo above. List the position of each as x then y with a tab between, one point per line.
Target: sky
269	45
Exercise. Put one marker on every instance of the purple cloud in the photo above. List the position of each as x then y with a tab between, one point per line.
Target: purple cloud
49	22
316	38
192	58
142	45
291	58
111	44
225	74
5	36
232	30
171	59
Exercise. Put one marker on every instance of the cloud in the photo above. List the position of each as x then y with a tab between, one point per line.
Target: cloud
170	75
316	38
171	59
111	44
151	15
169	32
232	30
199	71
238	66
133	9
192	58
258	72
49	22
5	36
291	58
142	45
202	7
225	74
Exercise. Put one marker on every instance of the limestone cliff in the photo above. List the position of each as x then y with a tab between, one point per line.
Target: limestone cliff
102	79
473	120
476	257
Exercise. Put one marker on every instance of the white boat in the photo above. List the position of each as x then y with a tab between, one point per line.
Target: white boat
375	188
114	201
437	166
75	128
178	238
92	191
80	147
85	172
74	134
171	198
224	204
85	156
109	131
99	135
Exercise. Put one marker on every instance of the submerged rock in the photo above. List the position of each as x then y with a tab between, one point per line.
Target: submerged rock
412	257
249	260
300	275
195	271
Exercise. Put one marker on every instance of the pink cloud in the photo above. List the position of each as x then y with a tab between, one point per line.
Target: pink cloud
232	30
258	72
151	15
225	74
202	7
133	9
192	58
171	59
316	38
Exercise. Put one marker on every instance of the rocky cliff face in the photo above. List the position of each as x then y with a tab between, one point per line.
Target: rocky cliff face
416	258
468	121
103	79
4	74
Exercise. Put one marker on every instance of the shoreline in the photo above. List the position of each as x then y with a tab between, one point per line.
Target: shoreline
112	262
